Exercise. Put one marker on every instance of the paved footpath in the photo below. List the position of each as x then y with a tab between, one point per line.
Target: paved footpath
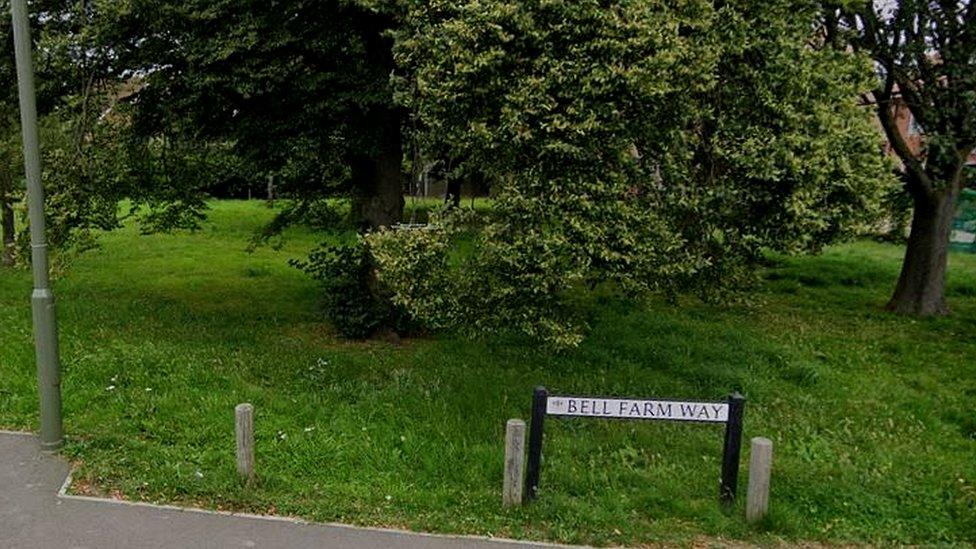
34	514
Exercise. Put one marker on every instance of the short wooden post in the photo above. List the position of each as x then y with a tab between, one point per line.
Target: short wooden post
760	463
514	458
244	414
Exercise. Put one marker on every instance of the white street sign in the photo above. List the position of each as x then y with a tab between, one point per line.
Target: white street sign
637	409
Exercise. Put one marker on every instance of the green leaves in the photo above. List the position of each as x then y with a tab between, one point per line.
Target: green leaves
655	145
659	146
352	302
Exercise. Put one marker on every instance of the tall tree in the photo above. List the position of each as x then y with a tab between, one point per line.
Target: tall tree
925	55
654	145
76	89
298	88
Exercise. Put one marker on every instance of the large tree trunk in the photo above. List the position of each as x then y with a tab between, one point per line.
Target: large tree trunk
378	197
7	227
921	286
378	179
453	195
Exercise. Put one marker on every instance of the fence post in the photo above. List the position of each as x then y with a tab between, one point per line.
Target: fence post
244	415
760	463
514	458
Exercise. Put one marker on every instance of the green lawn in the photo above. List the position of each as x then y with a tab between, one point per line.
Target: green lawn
872	416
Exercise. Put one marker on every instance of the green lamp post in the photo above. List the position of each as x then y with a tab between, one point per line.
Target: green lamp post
42	300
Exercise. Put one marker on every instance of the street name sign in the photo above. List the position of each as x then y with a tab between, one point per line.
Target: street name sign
728	413
621	408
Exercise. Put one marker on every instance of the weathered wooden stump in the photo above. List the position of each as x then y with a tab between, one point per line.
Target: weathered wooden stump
514	459
760	464
244	415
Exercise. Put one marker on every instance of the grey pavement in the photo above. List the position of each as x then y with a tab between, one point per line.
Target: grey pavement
33	514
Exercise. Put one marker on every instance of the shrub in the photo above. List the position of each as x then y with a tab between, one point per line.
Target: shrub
657	147
353	300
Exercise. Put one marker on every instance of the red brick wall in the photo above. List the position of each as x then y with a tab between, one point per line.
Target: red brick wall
903	118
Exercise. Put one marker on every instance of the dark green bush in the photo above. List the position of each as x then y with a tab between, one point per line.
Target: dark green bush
353	299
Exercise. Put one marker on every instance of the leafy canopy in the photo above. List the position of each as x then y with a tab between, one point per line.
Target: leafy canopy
659	146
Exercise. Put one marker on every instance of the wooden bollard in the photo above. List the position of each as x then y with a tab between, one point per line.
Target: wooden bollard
244	415
514	458
760	463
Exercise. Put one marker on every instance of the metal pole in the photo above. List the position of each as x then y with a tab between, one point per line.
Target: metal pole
42	300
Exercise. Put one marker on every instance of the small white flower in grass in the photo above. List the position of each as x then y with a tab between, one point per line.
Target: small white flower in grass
148	389
282	435
309	429
198	474
110	388
388	498
403	438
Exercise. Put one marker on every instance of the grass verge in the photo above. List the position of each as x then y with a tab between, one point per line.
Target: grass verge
871	414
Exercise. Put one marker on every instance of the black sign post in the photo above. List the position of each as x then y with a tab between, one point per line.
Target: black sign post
731	450
728	412
534	468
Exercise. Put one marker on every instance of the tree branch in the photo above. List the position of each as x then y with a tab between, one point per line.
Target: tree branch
887	118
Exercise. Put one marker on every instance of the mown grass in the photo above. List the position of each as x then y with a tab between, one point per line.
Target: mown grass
871	415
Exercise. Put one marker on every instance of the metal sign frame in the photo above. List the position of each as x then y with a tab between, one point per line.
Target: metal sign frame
731	450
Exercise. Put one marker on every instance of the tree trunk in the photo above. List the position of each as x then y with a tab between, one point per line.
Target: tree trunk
921	285
453	195
378	179
7	228
378	198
